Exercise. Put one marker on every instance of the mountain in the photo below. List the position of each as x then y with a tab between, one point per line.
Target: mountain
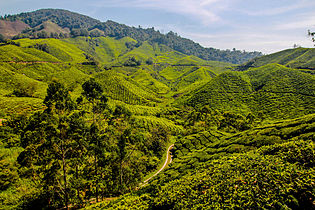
83	25
63	18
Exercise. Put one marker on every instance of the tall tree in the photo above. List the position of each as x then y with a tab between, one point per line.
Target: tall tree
93	93
51	140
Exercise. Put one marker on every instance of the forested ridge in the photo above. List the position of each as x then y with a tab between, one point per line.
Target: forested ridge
86	26
85	120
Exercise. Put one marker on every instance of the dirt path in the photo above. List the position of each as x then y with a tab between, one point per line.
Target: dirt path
167	161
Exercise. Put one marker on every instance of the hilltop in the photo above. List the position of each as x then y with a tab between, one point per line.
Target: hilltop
74	24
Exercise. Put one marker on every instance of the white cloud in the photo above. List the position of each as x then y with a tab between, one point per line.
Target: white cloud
265	42
273	9
288	26
202	10
302	22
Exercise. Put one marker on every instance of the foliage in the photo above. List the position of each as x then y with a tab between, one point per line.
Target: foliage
312	35
8	173
42	47
2	39
79	25
61	17
195	149
51	137
242	181
132	62
273	91
248	180
25	90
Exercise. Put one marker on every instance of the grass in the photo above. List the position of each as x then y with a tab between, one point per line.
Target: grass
103	49
18	54
60	49
19	105
152	122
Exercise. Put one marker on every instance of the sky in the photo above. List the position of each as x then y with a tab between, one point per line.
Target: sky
252	25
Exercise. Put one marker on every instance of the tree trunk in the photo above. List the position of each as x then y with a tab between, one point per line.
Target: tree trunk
78	190
64	169
121	176
95	162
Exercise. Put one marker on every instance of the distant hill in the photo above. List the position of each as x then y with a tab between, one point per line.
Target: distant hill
63	18
12	28
300	58
81	25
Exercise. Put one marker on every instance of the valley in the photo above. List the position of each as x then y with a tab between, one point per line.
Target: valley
89	111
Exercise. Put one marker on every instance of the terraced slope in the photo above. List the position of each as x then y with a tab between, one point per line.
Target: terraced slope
274	90
194	151
300	58
269	166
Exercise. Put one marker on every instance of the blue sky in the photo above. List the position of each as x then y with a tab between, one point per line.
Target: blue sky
262	25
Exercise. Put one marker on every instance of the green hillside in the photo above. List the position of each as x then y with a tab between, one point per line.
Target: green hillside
269	166
299	58
194	151
35	62
273	90
59	49
103	49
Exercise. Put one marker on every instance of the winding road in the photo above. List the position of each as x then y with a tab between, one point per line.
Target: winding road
168	160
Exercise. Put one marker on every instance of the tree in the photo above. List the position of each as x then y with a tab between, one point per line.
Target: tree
95	33
52	142
312	35
93	93
122	152
2	39
132	61
8	173
149	61
42	34
25	89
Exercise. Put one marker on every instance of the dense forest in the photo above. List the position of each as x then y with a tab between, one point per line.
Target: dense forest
87	118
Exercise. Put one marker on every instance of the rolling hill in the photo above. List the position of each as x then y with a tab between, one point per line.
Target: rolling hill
273	89
299	58
168	75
